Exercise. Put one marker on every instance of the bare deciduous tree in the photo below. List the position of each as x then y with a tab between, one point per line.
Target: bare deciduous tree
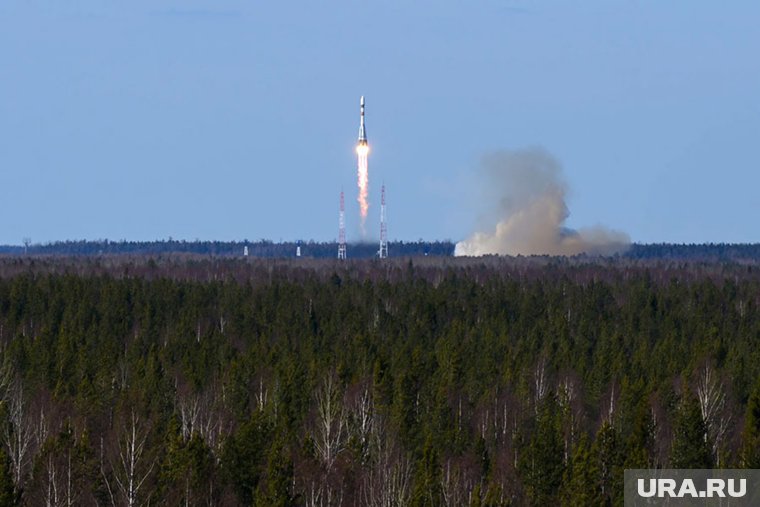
58	479
712	404
611	405
19	434
568	396
330	432
130	468
362	411
457	482
324	487
57	482
51	490
261	396
203	414
387	483
540	383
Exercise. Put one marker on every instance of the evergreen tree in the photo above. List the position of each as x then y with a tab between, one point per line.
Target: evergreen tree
690	449
640	442
541	464
581	485
608	455
202	471
187	473
243	456
8	495
427	482
276	487
172	476
750	451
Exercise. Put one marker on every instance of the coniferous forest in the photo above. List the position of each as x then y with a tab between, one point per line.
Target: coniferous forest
194	380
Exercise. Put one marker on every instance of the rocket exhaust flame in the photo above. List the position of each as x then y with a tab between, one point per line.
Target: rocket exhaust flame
363	182
362	176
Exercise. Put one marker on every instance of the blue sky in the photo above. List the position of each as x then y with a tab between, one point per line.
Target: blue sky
237	119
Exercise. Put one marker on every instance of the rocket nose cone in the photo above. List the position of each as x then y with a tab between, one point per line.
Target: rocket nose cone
361	101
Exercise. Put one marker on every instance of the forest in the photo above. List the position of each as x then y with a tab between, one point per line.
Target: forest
710	252
424	381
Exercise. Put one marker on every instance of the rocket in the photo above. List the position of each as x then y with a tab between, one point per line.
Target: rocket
362	131
362	174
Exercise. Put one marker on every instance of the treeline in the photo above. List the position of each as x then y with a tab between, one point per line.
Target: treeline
705	252
261	248
184	381
709	252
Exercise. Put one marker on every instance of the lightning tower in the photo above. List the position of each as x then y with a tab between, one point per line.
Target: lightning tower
383	252
342	228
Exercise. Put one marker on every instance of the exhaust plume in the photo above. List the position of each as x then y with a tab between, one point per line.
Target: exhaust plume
362	181
529	195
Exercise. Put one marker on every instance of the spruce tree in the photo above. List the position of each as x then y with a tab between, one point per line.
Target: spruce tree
640	441
690	448
581	484
607	452
541	463
750	451
275	489
427	478
8	496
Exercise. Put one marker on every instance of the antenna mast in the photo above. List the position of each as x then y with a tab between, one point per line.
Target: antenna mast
342	228
383	252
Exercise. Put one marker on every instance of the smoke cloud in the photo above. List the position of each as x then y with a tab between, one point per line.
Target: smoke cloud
528	192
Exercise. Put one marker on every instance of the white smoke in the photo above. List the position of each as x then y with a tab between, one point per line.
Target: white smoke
529	193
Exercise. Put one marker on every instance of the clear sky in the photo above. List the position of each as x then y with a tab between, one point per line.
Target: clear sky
237	119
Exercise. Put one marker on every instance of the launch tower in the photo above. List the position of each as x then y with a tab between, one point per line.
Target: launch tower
342	228
383	252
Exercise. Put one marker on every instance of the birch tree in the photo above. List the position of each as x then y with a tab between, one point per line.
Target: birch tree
712	405
130	467
19	433
330	436
330	432
388	481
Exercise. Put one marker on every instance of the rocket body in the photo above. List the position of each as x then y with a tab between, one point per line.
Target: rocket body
362	130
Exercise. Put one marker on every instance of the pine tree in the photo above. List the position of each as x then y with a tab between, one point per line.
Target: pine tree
690	449
426	479
750	451
172	476
243	457
187	471
607	452
8	495
581	485
541	464
275	489
640	442
201	471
